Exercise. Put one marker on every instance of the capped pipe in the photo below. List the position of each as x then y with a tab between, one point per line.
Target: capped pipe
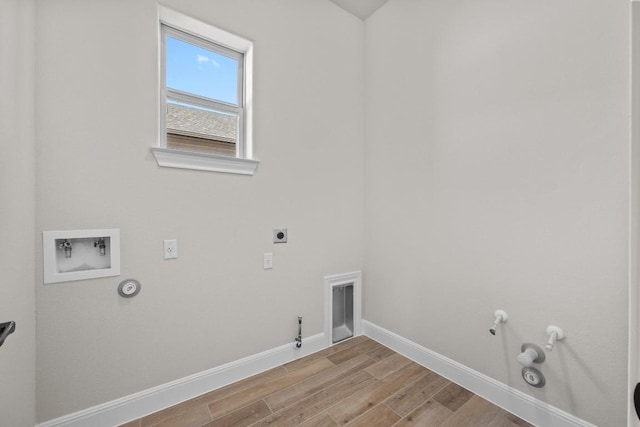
555	334
500	317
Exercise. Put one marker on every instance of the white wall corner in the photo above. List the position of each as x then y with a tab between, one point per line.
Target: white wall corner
518	403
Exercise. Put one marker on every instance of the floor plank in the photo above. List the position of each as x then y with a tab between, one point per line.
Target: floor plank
322	354
236	400
405	401
243	416
481	411
354	351
379	416
387	365
312	405
205	399
322	420
196	416
357	404
453	396
288	396
430	413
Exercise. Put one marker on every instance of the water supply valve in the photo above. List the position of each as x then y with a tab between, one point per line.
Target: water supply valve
555	334
501	316
298	339
66	245
100	245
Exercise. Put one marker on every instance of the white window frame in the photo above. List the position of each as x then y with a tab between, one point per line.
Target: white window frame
201	101
243	163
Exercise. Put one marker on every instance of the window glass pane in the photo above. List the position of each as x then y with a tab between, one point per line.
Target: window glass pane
203	72
195	128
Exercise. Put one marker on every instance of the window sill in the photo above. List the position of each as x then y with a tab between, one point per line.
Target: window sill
203	162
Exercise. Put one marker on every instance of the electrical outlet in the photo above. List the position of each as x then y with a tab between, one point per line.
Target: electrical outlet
170	249
279	235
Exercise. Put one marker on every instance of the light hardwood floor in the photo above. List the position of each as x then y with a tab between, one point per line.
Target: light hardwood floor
357	382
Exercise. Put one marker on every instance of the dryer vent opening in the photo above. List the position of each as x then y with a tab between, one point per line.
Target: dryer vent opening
342	306
343	325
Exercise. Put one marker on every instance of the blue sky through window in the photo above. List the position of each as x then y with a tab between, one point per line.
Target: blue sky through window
190	68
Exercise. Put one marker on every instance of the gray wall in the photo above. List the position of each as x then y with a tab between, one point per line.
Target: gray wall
497	177
96	119
17	189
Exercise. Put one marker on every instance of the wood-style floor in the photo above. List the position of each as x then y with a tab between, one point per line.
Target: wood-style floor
357	382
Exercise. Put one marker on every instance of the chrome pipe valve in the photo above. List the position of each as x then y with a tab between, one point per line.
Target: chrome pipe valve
299	337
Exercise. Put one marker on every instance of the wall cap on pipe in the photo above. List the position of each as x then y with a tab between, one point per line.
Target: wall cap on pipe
555	334
501	316
531	354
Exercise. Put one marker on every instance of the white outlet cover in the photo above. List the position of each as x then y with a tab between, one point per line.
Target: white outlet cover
268	261
170	249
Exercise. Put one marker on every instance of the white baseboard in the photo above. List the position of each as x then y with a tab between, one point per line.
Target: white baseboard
524	406
146	402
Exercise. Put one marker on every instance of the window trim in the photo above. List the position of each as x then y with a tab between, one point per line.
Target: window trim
203	162
243	163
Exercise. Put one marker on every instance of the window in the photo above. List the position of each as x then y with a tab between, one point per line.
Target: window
205	93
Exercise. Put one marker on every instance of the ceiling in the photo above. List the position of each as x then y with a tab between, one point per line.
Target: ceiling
360	8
